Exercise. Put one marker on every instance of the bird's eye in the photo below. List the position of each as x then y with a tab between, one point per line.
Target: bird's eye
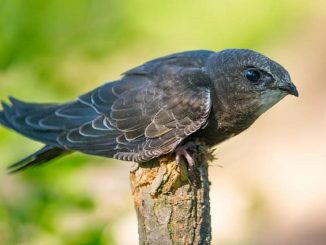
252	75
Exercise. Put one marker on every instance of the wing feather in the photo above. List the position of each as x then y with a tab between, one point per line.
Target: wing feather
144	115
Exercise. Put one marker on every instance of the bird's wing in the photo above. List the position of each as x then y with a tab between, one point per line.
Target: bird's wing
144	115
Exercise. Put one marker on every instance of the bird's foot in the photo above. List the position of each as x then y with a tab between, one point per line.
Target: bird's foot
183	151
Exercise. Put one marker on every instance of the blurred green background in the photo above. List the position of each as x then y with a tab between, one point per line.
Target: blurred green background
52	51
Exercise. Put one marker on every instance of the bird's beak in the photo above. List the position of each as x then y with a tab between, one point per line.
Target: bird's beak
288	87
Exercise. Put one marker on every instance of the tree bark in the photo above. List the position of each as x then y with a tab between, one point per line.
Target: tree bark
172	202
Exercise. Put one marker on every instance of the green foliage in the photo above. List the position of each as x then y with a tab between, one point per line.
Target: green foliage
48	51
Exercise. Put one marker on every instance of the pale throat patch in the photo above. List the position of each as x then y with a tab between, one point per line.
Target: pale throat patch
270	98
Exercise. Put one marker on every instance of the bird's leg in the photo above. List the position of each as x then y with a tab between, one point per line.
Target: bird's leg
183	151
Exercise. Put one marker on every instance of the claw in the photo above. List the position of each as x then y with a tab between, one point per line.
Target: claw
181	151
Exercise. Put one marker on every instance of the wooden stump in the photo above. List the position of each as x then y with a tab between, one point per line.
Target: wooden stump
172	202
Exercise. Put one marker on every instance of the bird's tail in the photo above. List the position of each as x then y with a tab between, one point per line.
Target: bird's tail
3	120
42	156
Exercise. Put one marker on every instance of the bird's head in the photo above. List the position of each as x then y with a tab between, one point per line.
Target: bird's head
247	81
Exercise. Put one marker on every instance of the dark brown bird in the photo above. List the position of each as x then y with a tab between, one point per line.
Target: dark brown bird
156	108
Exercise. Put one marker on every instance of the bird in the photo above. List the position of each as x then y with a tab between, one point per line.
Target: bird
156	108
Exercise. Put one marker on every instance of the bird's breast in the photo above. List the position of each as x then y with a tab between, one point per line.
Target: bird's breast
224	127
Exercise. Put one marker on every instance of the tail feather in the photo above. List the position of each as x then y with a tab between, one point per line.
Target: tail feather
3	120
40	157
26	107
14	116
4	114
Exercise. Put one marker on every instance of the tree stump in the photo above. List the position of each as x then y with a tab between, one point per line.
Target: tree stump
172	202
